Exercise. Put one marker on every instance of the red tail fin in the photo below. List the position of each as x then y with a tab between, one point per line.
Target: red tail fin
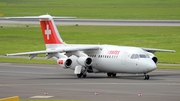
52	39
50	32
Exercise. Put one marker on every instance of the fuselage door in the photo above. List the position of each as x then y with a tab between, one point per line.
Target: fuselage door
123	58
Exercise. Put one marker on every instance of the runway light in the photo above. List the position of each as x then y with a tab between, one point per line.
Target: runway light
45	93
96	93
140	94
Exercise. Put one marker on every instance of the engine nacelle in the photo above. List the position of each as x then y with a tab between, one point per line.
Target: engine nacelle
64	62
84	61
153	57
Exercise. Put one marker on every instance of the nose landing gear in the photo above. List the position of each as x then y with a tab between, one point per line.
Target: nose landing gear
146	77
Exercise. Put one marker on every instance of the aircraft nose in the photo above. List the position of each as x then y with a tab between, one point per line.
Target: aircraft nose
151	66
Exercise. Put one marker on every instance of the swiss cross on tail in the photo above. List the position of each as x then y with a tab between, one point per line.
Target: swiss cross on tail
50	32
47	31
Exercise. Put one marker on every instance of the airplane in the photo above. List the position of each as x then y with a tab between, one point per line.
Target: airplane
89	58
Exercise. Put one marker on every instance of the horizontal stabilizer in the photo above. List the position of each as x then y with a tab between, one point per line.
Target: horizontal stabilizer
40	17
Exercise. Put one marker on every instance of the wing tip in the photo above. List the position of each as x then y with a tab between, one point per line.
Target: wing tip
173	51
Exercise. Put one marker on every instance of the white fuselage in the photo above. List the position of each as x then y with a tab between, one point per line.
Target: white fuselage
118	59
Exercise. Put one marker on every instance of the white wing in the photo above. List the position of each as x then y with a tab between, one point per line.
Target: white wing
153	50
62	49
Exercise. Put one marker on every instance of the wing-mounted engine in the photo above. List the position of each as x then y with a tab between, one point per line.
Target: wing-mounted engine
84	61
82	58
153	57
64	62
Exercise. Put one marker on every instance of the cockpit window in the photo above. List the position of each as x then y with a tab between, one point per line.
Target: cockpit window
147	56
142	56
132	56
136	56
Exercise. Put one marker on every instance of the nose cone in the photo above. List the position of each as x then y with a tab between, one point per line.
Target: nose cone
148	65
151	66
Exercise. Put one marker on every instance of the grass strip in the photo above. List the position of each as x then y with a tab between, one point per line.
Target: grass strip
168	67
97	9
26	61
22	38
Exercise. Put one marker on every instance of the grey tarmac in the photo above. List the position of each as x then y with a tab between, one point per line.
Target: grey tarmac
96	22
28	80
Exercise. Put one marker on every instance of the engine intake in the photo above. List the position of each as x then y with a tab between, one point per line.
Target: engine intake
84	61
153	57
64	62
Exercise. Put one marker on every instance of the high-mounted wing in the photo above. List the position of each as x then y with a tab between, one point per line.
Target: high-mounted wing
57	50
153	50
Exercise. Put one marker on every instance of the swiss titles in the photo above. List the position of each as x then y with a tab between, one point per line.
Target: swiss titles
114	52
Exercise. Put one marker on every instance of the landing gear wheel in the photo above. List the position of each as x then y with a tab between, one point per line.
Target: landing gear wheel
79	75
146	77
84	76
114	74
111	74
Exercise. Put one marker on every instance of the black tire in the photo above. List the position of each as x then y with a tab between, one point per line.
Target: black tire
79	75
146	77
114	74
84	76
109	74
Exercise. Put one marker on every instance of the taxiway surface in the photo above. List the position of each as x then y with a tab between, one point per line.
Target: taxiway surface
29	80
96	22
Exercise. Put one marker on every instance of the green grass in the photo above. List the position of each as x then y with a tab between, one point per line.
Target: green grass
106	9
26	61
168	67
21	38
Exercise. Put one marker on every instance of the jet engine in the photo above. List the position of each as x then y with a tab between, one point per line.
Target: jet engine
84	61
153	57
64	62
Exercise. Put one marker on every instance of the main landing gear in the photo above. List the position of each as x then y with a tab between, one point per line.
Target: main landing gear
146	77
111	74
81	75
